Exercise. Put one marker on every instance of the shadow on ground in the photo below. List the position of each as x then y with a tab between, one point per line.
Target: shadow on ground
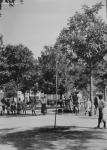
61	138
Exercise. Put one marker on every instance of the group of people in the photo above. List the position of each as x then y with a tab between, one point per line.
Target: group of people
100	108
8	106
71	104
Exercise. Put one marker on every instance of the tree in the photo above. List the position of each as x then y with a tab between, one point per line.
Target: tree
4	73
30	79
101	77
47	70
20	61
85	37
9	2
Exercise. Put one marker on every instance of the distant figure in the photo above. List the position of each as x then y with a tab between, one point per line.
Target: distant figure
105	114
1	111
79	95
75	103
24	105
13	107
19	106
8	106
95	105
88	107
101	116
43	106
33	107
3	108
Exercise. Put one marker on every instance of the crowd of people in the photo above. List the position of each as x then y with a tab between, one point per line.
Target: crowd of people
72	104
12	107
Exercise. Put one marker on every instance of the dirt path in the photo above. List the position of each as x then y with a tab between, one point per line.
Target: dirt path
37	133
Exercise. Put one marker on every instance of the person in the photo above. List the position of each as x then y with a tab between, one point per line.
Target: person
105	114
19	104
3	108
1	111
95	104
101	116
33	107
24	105
12	107
75	103
8	106
43	106
79	95
88	107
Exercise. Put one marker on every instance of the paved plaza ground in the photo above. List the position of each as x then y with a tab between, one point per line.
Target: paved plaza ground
37	133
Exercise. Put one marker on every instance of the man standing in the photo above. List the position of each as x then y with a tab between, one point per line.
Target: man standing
101	106
95	104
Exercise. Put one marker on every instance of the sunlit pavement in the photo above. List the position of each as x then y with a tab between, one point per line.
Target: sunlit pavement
37	132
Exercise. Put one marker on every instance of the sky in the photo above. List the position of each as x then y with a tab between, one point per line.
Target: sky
37	23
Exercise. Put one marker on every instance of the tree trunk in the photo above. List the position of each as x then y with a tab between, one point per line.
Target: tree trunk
91	91
17	89
29	95
56	93
105	93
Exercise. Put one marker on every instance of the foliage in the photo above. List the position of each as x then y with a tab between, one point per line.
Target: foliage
47	70
30	79
85	35
4	73
9	2
83	41
101	75
20	60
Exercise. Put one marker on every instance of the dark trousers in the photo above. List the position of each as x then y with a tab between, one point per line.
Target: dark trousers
100	119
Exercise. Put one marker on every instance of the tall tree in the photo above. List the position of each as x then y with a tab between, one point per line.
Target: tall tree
47	70
20	60
30	79
4	73
85	37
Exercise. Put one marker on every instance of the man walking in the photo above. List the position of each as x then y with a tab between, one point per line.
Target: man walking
101	106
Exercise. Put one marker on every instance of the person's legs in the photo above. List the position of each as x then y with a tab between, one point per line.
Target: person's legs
100	118
95	110
32	111
104	122
99	121
25	111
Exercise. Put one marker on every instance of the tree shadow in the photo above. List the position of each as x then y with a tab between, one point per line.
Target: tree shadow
53	139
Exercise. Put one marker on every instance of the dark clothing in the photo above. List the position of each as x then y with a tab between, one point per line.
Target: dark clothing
3	107
100	118
43	108
96	102
100	115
